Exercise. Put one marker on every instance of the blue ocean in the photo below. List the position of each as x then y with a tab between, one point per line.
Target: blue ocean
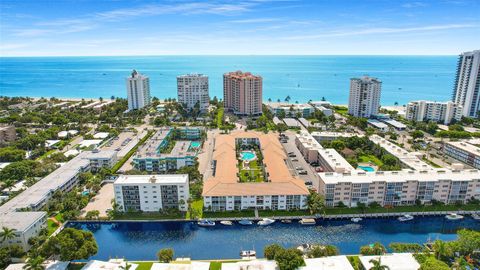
302	78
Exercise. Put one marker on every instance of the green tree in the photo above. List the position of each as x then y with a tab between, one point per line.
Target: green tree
416	134
316	203
375	249
322	251
34	263
93	214
289	259
270	251
7	234
337	145
127	266
377	265
468	241
433	264
165	255
71	244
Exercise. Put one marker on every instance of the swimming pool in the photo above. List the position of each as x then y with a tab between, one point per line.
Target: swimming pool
247	155
195	144
367	168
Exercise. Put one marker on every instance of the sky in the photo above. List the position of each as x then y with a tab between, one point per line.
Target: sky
241	27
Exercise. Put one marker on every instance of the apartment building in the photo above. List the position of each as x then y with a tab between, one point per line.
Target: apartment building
322	136
440	112
280	191
464	152
242	93
467	83
364	99
193	89
152	193
7	134
138	91
153	157
102	159
25	224
399	187
291	109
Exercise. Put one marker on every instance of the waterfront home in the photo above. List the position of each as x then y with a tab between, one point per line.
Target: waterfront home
277	189
151	193
399	187
465	152
181	266
114	264
394	261
291	109
255	264
48	265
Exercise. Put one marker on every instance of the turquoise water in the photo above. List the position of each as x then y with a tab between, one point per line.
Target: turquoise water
367	168
404	78
195	144
247	155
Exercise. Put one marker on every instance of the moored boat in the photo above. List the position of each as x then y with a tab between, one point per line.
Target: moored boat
453	216
307	221
226	222
286	221
206	223
248	253
356	219
245	222
405	218
265	222
476	216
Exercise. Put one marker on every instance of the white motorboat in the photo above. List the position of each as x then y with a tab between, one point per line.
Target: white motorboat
248	253
405	218
286	221
453	216
307	221
476	216
356	219
226	222
304	248
265	222
206	223
245	222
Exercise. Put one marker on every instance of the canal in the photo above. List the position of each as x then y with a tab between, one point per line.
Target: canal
142	240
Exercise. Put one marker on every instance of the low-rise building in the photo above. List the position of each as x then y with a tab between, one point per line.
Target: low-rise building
464	152
394	261
152	193
279	191
378	125
399	187
102	159
291	122
441	112
192	265
394	123
290	109
322	136
113	264
328	263
25	224
253	264
308	146
163	152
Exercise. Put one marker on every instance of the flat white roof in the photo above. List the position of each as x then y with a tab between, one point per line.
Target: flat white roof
395	261
320	134
399	176
394	123
291	122
467	147
87	143
20	221
153	179
105	154
377	123
253	265
335	160
4	164
96	265
100	135
50	143
327	263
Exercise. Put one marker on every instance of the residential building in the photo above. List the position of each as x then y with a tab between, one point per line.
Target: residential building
412	160
242	93
112	264
328	263
441	112
102	159
467	83
193	89
394	123
464	152
284	109
393	261
25	224
399	187
184	265
7	134
330	135
378	125
251	264
308	146
168	149
364	99
292	122
138	91
152	193
279	191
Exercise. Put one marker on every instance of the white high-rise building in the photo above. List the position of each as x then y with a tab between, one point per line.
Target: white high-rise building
193	88
138	91
441	112
467	83
364	100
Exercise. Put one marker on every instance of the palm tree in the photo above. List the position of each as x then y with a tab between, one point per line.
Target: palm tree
440	248
377	265
34	264
7	234
127	266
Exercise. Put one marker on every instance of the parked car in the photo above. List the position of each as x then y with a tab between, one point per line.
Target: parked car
298	168
319	169
292	155
295	159
303	172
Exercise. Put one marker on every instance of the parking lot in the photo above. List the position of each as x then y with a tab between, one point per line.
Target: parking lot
299	162
123	141
101	202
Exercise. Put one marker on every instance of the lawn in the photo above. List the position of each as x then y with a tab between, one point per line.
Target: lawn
144	265
52	226
217	265
198	206
370	158
355	262
254	174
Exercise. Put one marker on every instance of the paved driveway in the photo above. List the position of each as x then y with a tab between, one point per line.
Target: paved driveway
101	202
